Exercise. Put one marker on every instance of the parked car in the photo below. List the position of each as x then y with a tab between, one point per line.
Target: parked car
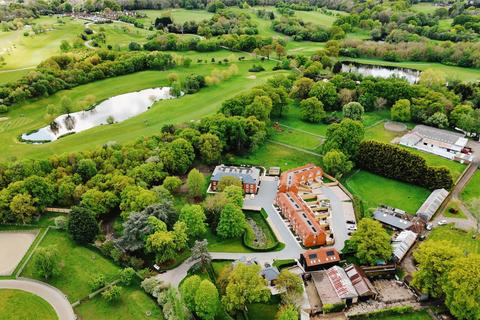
352	228
442	222
422	237
350	221
429	226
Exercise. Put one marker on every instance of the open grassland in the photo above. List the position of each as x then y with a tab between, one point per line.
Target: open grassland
472	190
273	155
119	34
21	305
450	72
425	7
178	15
79	266
318	17
375	190
134	303
25	51
459	238
32	115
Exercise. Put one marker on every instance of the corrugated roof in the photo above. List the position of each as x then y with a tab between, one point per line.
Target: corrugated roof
402	243
386	218
360	281
431	205
341	283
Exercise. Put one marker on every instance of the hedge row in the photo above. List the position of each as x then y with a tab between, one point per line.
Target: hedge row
401	164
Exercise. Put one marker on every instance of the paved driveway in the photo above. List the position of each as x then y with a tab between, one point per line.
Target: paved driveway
55	297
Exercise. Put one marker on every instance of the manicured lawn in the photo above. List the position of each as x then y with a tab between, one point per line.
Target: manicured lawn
178	15
472	190
133	304
457	237
425	7
451	72
318	17
273	155
32	115
21	305
379	133
264	311
453	205
79	266
216	244
375	190
418	315
297	138
12	75
121	34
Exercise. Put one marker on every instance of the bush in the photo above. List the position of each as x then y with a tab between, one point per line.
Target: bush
112	294
3	108
126	276
97	282
61	222
328	308
256	68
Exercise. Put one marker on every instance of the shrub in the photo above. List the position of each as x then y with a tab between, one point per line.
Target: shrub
126	276
97	282
61	222
112	294
328	308
3	108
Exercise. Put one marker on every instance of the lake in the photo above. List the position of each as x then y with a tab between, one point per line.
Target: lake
113	110
410	75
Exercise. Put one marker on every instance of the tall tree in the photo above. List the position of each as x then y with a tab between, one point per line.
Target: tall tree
196	183
194	218
287	312
244	285
226	181
82	225
291	286
200	253
371	241
189	289
232	222
311	110
23	207
234	194
336	163
207	300
47	262
344	136
353	110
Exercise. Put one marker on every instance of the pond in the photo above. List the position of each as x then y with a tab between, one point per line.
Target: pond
113	110
410	75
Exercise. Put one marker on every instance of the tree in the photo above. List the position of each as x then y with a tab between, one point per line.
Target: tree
177	156
200	253
65	46
135	229
353	110
47	262
325	92
260	108
336	163
210	148
22	207
112	294
226	181
126	276
435	260
172	184
244	285
213	206
195	183
162	244
135	198
301	88
287	312
438	119
462	288
207	300
458	112
401	111
234	194
189	289
232	222
291	286
311	110
86	168
194	218
345	137
99	202
82	225
371	241
180	233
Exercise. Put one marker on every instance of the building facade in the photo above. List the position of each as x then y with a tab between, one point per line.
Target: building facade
249	176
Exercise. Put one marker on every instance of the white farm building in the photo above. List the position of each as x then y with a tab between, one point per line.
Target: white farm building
447	144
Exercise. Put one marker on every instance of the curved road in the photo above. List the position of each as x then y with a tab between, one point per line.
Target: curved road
55	297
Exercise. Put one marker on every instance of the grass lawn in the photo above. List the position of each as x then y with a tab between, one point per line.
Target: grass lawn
425	7
264	311
216	244
375	190
21	305
12	75
417	315
133	304
178	15
451	72
472	190
458	237
79	266
121	34
32	115
317	17
454	205
297	138
271	154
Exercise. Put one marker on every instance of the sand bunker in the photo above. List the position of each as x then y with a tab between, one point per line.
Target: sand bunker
13	246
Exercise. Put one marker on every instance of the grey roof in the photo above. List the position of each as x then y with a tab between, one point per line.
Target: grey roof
403	243
385	217
437	134
248	175
270	273
431	205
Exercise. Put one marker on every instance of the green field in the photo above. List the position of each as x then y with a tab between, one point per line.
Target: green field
450	72
121	34
22	305
417	315
425	7
32	115
79	266
457	237
375	190
178	15
472	190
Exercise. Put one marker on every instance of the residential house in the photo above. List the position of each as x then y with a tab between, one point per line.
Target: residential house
249	176
320	258
270	274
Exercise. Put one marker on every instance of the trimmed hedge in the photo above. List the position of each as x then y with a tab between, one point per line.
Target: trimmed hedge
398	163
384	312
248	233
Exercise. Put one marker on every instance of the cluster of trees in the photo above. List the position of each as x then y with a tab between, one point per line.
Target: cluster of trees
301	30
69	70
445	271
464	54
178	43
401	164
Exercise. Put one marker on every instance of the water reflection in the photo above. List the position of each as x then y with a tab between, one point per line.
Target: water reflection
410	75
115	109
